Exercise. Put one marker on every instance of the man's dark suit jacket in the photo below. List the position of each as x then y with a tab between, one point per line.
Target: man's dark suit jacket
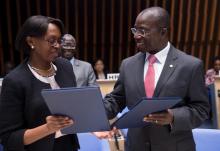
182	76
22	107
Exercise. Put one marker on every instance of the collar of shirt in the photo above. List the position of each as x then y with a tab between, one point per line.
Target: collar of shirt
159	64
72	60
41	78
161	55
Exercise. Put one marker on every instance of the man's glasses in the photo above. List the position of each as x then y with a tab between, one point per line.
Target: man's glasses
144	32
139	31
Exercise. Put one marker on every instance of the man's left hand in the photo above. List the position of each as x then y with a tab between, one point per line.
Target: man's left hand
162	118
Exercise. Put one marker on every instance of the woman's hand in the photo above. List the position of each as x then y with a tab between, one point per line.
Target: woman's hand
53	124
56	122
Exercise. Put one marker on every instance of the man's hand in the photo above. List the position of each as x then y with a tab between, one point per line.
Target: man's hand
162	118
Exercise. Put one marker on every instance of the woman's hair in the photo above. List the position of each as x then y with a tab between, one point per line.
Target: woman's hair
95	61
35	26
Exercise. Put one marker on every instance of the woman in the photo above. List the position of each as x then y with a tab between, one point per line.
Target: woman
26	123
211	73
99	69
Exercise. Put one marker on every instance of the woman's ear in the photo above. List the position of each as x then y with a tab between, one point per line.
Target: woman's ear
30	41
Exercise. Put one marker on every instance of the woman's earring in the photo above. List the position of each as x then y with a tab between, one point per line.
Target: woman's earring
32	47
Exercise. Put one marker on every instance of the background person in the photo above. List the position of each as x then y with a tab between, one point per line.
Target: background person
211	73
99	69
83	70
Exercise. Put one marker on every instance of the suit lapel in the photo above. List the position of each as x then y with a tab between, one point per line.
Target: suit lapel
139	72
167	71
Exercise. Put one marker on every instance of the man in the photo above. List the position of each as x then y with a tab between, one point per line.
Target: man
83	70
160	71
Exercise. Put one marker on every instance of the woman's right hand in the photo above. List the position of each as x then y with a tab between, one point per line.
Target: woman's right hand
56	122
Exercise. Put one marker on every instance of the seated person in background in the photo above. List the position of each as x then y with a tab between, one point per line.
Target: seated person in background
100	72
83	70
211	73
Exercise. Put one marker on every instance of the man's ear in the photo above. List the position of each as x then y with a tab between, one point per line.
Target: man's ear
31	42
164	31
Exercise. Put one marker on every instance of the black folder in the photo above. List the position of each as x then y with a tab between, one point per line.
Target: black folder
84	105
134	117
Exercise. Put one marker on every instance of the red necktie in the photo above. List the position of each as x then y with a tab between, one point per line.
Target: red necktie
150	77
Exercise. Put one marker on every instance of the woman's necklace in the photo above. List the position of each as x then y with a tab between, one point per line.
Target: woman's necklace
44	73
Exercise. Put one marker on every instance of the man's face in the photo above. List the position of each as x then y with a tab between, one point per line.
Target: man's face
68	49
67	53
147	34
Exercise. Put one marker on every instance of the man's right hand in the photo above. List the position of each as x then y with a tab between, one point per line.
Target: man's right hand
103	135
106	134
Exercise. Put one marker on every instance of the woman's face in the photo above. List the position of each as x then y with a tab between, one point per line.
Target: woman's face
99	66
47	48
217	65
